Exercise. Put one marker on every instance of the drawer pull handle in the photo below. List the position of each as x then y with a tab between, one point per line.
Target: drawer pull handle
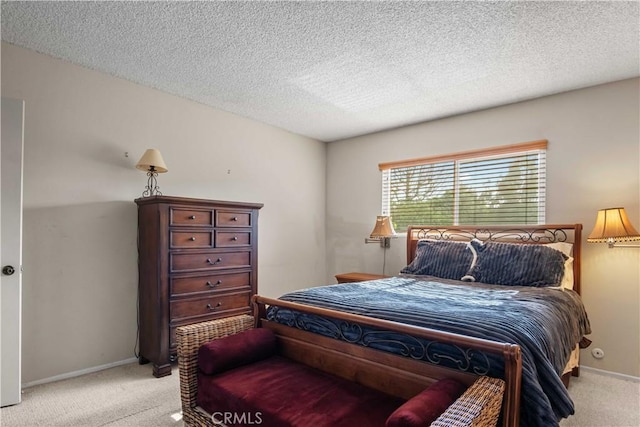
192	217
211	285
234	238
235	218
210	307
214	262
192	238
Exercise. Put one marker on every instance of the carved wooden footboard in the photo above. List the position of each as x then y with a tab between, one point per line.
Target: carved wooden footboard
394	374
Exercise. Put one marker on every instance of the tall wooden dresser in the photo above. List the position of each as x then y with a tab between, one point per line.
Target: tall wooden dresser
197	261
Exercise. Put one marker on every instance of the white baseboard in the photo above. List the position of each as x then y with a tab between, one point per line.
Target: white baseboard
80	372
610	374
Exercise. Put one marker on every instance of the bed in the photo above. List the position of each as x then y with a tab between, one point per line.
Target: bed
509	285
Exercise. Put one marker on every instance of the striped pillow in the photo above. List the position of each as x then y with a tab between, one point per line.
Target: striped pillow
440	258
517	264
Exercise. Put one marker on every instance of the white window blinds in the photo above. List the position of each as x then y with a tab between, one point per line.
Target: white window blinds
502	185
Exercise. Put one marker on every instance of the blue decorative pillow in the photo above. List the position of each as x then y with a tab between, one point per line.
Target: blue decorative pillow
440	258
517	264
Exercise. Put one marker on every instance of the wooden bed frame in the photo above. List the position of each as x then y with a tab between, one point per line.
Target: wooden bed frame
406	376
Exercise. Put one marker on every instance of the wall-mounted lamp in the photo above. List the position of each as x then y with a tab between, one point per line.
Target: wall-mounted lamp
152	163
613	225
382	232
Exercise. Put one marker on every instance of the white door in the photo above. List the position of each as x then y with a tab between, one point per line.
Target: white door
12	123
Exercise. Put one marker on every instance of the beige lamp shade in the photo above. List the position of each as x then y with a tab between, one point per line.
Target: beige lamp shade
383	227
613	225
152	160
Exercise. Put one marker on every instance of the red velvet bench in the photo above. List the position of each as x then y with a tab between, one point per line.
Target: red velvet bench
231	374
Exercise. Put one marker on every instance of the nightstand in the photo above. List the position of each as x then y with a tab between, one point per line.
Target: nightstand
358	277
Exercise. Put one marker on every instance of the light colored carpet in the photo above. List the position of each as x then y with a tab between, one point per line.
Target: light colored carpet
603	401
129	396
124	396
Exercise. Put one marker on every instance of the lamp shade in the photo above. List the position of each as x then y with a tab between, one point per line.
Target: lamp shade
613	225
152	160
383	227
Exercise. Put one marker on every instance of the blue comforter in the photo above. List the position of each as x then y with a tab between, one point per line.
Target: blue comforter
546	323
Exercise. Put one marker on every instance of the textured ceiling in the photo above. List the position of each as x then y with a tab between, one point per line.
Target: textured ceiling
332	70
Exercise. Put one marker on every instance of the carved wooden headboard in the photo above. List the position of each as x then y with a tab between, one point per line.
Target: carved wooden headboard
526	234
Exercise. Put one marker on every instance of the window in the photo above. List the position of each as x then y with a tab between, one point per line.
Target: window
502	185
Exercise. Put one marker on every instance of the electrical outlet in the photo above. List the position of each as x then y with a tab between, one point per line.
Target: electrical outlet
598	353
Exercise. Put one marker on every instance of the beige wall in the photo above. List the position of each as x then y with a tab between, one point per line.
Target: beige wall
593	162
80	266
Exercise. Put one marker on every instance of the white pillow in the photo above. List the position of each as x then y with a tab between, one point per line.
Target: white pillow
567	249
564	247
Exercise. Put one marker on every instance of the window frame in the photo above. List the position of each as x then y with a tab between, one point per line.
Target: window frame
460	157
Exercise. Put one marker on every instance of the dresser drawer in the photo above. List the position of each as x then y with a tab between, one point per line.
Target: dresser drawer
226	239
187	308
209	261
190	239
210	283
191	217
231	218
